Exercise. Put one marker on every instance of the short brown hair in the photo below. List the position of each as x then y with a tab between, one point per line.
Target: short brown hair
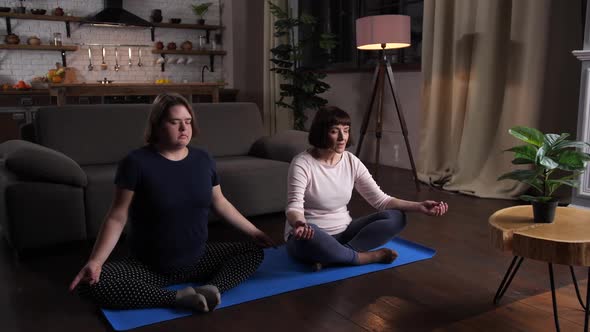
160	110
324	119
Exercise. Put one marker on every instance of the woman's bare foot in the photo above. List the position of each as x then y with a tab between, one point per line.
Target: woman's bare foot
189	299
211	294
383	255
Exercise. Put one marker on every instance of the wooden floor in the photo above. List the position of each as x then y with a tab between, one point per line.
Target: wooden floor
451	292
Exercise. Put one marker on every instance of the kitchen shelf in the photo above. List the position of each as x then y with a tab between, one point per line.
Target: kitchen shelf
66	19
191	52
211	54
63	49
205	27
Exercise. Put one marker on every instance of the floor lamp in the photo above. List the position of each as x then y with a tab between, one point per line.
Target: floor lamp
383	32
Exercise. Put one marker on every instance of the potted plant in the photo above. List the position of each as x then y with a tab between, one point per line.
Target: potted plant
200	10
553	161
302	86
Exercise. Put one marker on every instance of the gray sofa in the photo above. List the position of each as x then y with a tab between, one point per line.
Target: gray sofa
59	188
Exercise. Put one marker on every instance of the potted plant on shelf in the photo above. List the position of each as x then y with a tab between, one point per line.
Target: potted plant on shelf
200	10
553	161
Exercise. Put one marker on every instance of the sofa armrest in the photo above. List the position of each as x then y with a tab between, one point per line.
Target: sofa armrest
282	146
33	162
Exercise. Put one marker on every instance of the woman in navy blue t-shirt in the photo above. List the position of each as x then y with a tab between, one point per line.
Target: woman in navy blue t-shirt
166	189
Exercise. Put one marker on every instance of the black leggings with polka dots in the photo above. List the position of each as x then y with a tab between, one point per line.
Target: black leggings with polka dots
127	283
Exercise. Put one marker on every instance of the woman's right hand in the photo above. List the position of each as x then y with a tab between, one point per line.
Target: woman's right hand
302	231
89	274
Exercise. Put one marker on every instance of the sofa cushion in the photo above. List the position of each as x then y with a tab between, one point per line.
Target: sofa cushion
283	146
228	129
99	195
253	185
34	162
103	135
41	214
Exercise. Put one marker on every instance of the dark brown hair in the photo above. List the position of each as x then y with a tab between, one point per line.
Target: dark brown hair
160	111
324	119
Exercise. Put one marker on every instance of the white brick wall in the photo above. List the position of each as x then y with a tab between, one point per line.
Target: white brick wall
24	65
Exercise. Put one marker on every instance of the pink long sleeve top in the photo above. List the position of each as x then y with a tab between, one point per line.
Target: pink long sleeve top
321	192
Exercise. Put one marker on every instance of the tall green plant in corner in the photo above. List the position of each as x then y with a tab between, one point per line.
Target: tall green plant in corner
301	85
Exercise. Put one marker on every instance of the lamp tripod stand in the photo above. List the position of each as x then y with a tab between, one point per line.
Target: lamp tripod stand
383	71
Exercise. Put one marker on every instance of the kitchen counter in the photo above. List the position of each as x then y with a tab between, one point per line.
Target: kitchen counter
25	92
63	90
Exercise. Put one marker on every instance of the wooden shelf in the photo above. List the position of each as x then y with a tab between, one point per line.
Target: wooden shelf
191	52
66	19
43	17
62	49
211	55
187	26
67	48
207	28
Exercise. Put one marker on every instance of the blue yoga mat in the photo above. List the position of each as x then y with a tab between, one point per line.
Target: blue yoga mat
278	274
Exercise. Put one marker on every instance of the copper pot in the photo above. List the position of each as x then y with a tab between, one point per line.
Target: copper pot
187	46
12	39
159	45
171	46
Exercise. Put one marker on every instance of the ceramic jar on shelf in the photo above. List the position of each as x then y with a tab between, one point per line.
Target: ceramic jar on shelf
12	39
34	40
156	16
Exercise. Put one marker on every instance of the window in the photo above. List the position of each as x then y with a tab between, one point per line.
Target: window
338	17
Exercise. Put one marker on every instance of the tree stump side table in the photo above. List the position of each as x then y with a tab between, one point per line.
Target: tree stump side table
565	241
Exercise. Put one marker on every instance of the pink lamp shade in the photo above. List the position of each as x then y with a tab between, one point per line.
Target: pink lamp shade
391	30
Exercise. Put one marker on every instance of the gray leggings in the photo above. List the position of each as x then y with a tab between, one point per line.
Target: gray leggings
362	234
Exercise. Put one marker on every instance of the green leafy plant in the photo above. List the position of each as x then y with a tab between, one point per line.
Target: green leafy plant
302	85
201	9
551	156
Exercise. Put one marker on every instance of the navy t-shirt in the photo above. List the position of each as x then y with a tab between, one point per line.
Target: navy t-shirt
170	206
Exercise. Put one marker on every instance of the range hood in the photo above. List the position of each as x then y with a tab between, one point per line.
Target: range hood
113	15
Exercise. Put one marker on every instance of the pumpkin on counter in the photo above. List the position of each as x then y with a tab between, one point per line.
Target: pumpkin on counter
21	85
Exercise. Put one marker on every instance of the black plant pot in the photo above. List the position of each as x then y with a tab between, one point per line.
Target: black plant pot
201	21
544	212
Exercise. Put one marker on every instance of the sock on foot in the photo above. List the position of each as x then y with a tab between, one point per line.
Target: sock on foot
189	298
211	294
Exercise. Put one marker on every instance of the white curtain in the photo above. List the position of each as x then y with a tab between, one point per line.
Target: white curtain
490	65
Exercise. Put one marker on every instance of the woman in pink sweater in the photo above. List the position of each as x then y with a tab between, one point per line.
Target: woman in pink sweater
319	228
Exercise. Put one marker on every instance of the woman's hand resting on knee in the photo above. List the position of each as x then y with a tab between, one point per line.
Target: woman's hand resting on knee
433	208
302	230
89	274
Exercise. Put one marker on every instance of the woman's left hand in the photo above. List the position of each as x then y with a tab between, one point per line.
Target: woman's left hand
262	240
433	208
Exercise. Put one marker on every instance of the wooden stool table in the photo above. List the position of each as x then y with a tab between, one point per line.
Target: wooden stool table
565	241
